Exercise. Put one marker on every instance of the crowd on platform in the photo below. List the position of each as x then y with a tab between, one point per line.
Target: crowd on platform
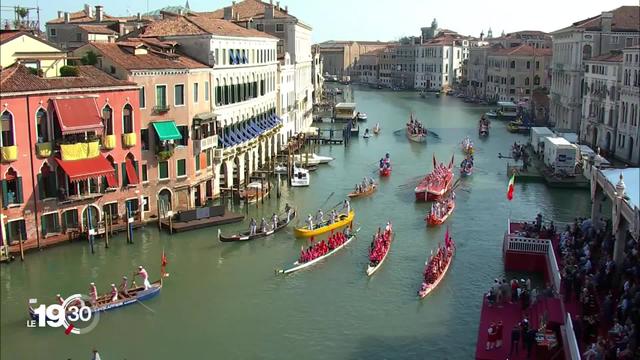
607	292
322	248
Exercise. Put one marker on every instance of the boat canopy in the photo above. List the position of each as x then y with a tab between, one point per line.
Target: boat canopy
507	104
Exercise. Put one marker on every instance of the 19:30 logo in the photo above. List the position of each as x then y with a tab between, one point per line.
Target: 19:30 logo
74	316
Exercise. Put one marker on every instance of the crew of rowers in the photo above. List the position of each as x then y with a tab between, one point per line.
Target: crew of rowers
483	121
415	127
380	245
439	175
467	145
436	265
333	217
442	207
385	163
365	185
322	248
467	164
116	293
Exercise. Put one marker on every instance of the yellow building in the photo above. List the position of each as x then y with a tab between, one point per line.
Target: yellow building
33	52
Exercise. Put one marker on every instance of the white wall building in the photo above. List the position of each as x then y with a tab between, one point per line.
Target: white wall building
628	146
439	61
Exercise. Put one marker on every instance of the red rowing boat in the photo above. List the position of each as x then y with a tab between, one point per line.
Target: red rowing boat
433	219
433	186
437	266
385	171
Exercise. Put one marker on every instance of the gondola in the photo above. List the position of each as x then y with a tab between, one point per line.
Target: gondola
370	190
426	289
483	130
296	266
245	236
343	220
372	268
104	302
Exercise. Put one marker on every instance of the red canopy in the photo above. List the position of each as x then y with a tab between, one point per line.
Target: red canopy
77	115
131	172
84	169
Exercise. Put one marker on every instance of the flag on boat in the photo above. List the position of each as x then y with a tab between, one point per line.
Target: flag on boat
447	240
434	161
511	187
163	264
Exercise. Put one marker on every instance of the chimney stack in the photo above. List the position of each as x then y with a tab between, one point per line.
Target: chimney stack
278	5
99	13
286	8
228	13
139	17
60	14
268	11
606	19
66	17
88	10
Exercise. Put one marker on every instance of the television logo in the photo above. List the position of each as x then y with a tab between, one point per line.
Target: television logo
73	315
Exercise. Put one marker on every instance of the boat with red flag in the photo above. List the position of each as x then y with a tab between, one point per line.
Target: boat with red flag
437	266
385	165
441	210
437	183
379	248
416	132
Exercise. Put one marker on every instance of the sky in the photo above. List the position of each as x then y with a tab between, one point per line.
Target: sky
379	19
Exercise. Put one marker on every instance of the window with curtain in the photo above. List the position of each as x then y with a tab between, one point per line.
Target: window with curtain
127	119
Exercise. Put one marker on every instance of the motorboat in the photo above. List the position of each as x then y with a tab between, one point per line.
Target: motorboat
361	116
312	159
300	177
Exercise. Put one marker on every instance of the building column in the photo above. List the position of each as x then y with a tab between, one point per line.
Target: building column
596	203
241	170
229	174
263	150
216	180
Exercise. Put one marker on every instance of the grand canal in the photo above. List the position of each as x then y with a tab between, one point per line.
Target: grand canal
223	300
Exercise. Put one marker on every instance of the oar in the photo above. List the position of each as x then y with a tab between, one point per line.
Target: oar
145	306
435	135
327	199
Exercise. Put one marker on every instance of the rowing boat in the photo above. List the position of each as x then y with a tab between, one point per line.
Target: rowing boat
344	220
245	236
426	289
104	302
299	266
431	219
385	171
415	131
372	269
370	190
376	129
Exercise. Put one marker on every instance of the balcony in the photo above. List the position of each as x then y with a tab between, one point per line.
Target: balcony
9	153
129	139
79	151
109	142
164	150
205	144
161	109
69	199
44	149
218	155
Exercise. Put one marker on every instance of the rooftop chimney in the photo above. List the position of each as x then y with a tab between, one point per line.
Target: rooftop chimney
228	13
59	14
605	21
66	17
286	8
268	11
88	10
278	5
99	13
139	16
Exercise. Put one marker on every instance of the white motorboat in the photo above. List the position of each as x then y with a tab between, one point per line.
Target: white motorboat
280	169
313	159
361	116
301	177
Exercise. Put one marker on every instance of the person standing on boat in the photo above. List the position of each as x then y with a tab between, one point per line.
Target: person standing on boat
320	216
124	286
252	226
310	222
263	225
287	209
334	215
93	293
114	293
274	220
145	277
346	205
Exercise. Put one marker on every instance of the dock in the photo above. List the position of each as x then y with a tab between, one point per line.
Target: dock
537	172
198	218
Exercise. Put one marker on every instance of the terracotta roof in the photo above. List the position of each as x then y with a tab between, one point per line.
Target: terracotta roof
80	17
625	18
248	9
18	78
118	53
97	29
198	24
7	35
521	50
610	57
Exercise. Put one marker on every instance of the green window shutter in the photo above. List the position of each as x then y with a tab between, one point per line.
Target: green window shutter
5	195
208	157
115	170
197	162
19	190
125	178
42	190
51	185
43	223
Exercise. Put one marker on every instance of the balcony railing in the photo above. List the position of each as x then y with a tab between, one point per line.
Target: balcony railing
161	109
205	143
129	139
164	150
109	142
68	199
80	150
9	153
44	149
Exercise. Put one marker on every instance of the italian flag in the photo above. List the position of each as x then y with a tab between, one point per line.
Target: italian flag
511	187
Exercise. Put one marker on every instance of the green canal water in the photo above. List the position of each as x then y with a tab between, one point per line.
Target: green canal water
223	301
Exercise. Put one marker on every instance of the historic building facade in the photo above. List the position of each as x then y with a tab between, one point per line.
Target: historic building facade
628	147
592	37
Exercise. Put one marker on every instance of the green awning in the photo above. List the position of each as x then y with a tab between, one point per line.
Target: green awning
167	130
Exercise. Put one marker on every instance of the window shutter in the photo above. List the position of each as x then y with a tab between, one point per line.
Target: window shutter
19	190
51	185
41	188
115	175
23	229
125	179
43	224
5	195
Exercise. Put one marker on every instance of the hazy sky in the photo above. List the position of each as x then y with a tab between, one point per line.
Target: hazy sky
381	19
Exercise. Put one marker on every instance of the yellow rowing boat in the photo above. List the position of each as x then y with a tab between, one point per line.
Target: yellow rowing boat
344	220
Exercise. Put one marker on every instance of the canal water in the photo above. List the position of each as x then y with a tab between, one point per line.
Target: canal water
224	301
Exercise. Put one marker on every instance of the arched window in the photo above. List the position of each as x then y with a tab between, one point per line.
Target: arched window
42	126
526	81
6	125
47	187
536	80
513	64
586	52
512	81
127	119
107	118
11	188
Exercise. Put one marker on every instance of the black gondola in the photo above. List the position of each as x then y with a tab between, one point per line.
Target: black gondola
245	236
